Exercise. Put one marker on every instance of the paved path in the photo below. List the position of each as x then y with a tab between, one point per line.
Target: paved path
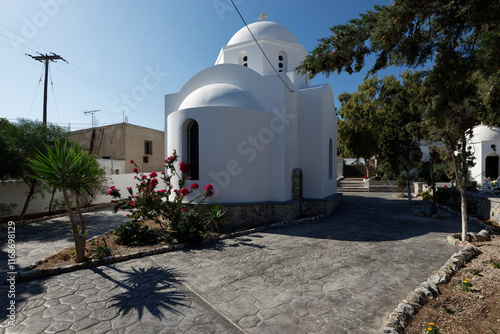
41	239
343	274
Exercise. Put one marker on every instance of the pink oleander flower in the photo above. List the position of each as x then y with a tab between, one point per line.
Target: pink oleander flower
135	170
183	210
153	174
131	161
209	190
184	167
194	186
184	192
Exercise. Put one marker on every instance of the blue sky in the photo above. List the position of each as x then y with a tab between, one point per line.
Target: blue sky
124	56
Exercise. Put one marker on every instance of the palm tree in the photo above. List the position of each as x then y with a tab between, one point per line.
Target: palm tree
68	167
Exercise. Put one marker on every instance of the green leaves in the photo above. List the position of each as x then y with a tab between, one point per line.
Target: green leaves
66	165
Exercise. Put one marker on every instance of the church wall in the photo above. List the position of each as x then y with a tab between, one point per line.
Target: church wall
233	156
310	145
329	131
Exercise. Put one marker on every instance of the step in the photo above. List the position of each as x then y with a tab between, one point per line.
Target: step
352	189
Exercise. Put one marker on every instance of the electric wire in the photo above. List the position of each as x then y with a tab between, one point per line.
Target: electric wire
54	95
270	63
36	92
92	79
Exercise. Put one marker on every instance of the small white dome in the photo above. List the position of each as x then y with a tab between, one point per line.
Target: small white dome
485	133
264	29
219	95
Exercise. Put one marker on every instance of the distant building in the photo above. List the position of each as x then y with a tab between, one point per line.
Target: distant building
484	146
117	144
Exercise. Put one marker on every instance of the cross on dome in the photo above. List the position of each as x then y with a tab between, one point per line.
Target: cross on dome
263	16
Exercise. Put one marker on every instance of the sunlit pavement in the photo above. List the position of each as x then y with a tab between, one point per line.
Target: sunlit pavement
343	274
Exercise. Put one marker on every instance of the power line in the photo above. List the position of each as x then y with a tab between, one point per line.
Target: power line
262	50
54	96
36	92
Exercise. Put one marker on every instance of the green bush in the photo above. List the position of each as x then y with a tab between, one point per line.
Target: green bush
133	233
189	228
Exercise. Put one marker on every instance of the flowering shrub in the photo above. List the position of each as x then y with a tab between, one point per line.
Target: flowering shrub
156	204
426	195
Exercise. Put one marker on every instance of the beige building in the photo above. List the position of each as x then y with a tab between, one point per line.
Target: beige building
117	144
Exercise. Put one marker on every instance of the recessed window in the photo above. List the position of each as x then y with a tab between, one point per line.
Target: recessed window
145	159
148	147
282	61
193	149
243	59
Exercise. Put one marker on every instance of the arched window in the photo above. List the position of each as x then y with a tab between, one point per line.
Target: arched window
330	160
282	61
492	166
243	59
193	150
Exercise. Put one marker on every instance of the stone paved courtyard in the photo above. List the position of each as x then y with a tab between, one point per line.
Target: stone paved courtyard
343	274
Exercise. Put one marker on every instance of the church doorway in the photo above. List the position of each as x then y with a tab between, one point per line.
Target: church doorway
492	167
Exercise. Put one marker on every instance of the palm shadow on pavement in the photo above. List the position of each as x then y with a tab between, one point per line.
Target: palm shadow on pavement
151	289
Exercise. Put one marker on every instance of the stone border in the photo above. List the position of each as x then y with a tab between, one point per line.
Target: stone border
32	274
408	307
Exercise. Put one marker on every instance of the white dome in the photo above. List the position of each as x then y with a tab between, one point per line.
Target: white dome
483	133
264	29
219	95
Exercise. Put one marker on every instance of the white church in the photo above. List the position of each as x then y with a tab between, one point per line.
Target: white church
247	122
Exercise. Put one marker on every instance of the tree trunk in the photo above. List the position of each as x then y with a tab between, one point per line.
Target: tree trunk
83	232
408	185
28	199
463	195
53	192
462	183
79	242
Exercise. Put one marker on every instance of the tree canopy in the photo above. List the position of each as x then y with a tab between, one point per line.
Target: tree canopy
19	142
460	38
382	119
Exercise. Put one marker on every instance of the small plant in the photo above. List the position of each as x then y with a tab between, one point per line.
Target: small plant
133	233
432	329
216	213
495	264
475	272
465	286
100	250
447	309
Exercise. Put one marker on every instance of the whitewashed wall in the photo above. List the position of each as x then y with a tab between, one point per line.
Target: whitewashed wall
16	192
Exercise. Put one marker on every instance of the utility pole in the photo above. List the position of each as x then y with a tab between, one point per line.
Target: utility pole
45	59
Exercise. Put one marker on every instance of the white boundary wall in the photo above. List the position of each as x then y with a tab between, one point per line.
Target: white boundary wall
16	192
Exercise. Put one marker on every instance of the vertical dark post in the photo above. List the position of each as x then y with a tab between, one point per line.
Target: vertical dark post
297	184
45	91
